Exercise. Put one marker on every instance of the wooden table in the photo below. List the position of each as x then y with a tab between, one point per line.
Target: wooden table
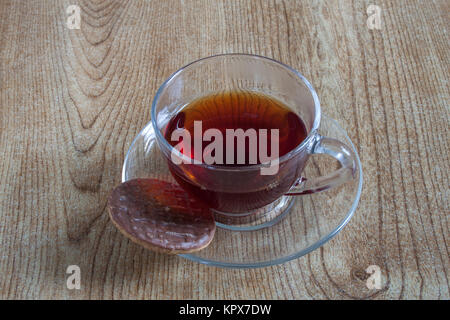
71	102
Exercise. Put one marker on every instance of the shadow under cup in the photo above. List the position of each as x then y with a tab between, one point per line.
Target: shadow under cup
237	193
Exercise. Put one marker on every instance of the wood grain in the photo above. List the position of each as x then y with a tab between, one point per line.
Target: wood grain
71	102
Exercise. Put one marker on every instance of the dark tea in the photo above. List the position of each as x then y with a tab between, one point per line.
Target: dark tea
221	186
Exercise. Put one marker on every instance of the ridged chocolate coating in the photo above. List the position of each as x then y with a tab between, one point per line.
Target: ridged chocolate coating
160	216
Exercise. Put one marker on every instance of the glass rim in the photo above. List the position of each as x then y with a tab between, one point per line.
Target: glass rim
310	137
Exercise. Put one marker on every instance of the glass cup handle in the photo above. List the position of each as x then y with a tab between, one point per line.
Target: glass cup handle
340	152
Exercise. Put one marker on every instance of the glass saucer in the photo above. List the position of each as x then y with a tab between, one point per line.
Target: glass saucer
310	221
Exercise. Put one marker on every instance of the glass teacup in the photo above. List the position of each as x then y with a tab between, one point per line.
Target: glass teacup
241	193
